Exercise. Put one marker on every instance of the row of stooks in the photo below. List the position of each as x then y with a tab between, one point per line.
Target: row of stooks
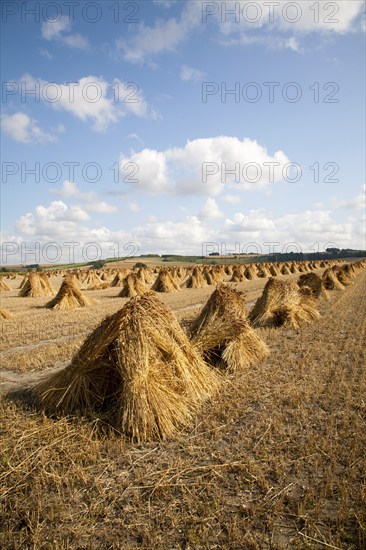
145	375
274	268
135	283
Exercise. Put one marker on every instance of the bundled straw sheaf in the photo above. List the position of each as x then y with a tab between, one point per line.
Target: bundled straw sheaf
285	269
94	282
119	278
343	275
283	303
250	272
212	275
70	297
209	278
165	282
145	276
132	286
196	279
237	274
23	281
137	371
4	287
228	269
331	281
262	271
36	285
273	270
105	276
315	283
222	332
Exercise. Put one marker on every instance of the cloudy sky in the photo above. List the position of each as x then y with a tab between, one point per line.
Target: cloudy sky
161	126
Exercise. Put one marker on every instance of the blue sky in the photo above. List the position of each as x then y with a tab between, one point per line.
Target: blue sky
185	123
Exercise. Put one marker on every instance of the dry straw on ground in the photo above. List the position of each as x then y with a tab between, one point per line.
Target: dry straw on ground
283	303
222	332
5	314
70	297
137	370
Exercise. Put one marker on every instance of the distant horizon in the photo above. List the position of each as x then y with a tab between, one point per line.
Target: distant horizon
359	254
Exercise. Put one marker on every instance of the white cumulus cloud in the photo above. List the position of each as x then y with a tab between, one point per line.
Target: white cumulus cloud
101	207
22	128
210	210
92	99
133	207
252	230
162	37
356	203
231	199
91	201
243	22
60	31
204	167
55	220
189	73
298	17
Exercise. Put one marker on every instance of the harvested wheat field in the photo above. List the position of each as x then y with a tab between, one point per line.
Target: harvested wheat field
272	458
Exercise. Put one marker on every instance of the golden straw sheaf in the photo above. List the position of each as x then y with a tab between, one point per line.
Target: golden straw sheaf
137	370
222	332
